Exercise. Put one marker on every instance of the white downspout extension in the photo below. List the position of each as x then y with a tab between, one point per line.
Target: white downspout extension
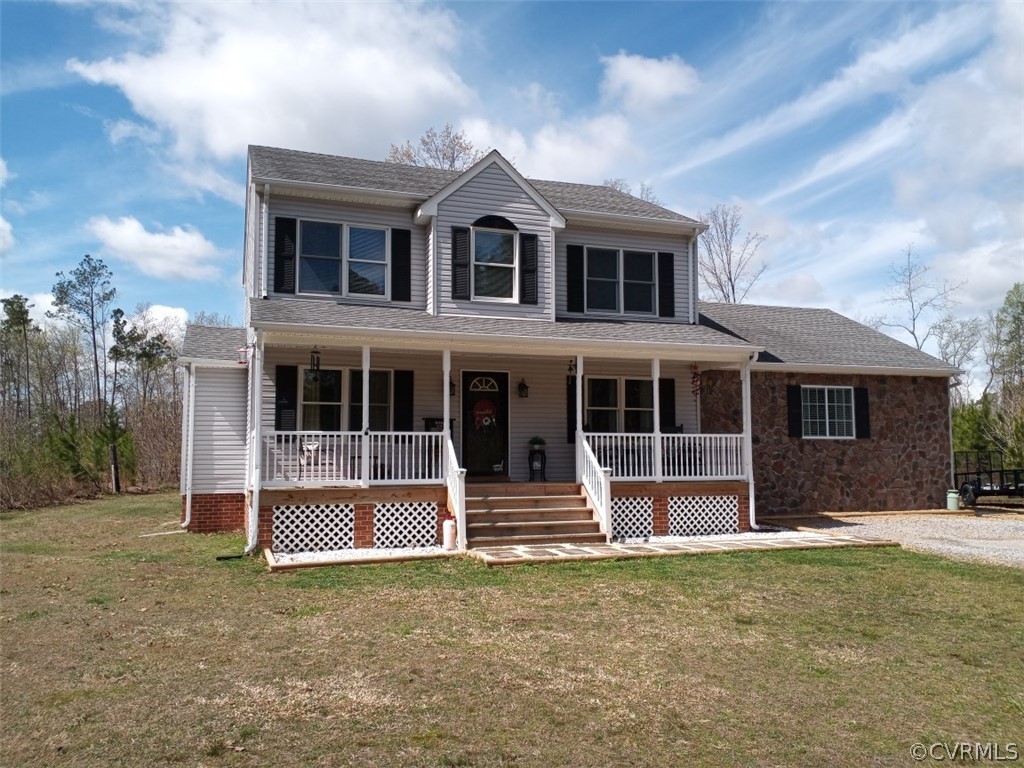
256	369
694	253
748	443
188	444
951	384
263	260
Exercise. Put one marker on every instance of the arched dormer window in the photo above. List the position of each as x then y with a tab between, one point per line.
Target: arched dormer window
493	261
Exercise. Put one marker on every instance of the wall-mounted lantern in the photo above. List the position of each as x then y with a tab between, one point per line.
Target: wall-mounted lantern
243	355
314	362
524	388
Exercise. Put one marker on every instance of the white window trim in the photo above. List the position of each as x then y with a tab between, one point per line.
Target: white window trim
346	397
620	398
343	261
828	425
621	282
514	266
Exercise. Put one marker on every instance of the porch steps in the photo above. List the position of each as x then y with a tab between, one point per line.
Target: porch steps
510	514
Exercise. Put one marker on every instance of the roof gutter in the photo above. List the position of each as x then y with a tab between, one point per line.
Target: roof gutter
849	370
633	349
281	185
620	220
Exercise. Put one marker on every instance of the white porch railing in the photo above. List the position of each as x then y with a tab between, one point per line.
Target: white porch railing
337	458
596	480
683	457
455	477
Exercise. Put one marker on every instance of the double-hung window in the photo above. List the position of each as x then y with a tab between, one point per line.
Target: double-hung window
494	264
620	405
380	401
324	395
321	400
620	281
827	411
343	259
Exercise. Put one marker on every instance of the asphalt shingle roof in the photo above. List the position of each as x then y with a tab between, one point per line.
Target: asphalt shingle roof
308	167
207	342
316	314
807	336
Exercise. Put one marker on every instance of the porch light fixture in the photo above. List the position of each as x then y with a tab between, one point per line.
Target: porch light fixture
524	388
451	387
243	355
572	367
314	360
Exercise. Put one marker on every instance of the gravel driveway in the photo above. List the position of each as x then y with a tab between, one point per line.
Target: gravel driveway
991	538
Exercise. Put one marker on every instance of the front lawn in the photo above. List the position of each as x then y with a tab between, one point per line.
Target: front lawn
119	649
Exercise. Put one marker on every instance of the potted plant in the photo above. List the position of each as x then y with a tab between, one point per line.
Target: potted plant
537	442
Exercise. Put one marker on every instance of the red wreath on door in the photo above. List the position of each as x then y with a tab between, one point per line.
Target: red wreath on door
485	415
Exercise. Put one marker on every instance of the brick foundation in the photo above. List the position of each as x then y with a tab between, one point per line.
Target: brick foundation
215	512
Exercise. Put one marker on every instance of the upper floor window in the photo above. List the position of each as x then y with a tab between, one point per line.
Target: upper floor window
620	281
342	258
494	264
827	411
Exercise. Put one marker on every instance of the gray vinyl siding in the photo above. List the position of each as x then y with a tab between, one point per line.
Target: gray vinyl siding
606	238
346	213
493	193
218	441
543	413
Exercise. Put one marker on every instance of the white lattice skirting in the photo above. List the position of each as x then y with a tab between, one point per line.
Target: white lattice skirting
633	517
405	524
313	528
703	515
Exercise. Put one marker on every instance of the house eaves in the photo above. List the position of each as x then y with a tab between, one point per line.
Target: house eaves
428	209
632	223
338	192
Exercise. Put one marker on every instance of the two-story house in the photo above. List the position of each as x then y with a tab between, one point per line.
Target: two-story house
409	331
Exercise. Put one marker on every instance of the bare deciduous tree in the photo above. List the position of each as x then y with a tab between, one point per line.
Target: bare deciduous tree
912	289
447	149
646	192
957	339
729	265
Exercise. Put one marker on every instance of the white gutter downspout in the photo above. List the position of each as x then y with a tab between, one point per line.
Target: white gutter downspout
748	442
188	444
263	260
256	366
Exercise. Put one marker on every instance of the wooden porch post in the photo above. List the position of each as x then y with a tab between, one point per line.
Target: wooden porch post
656	376
366	416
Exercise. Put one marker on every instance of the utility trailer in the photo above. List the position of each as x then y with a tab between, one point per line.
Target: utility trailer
981	473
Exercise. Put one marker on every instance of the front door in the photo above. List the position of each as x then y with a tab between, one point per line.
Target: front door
485	423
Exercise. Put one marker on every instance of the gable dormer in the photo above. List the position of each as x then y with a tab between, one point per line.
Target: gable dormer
492	243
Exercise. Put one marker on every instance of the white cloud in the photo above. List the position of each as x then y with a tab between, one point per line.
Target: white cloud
885	68
38	304
583	151
333	77
4	173
124	130
180	253
6	235
643	84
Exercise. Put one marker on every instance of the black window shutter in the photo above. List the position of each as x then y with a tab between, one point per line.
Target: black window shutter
286	398
527	268
794	407
284	255
666	285
667	403
861	415
574	278
570	409
355	400
402	407
460	263
401	265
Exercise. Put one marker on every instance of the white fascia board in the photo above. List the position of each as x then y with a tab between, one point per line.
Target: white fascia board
625	221
340	192
852	370
285	334
205	362
429	209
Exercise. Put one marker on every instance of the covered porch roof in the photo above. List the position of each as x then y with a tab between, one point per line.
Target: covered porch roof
382	326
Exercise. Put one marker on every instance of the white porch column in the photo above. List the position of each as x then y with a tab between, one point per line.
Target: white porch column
446	369
656	377
579	416
748	445
256	364
366	416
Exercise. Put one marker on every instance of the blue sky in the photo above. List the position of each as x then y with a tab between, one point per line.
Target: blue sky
846	131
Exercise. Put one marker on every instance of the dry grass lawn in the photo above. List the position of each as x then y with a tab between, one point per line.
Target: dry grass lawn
124	650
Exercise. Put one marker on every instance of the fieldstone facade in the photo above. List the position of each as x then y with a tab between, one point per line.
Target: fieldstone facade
904	464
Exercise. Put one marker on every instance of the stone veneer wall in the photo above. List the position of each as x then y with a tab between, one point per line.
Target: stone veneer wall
905	464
